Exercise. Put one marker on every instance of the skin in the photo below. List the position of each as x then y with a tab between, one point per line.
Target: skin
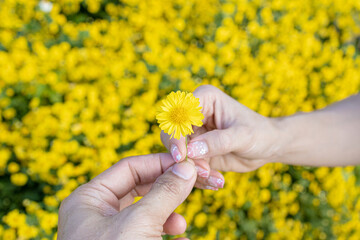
236	139
103	209
327	137
202	165
241	140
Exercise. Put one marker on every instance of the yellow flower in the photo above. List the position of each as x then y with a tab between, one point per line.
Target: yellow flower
179	111
200	220
13	167
51	201
19	179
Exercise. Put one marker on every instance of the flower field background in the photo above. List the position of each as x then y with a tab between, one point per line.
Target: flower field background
80	82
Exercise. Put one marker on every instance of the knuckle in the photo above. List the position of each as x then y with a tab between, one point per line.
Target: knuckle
170	187
248	140
224	164
224	141
226	138
67	203
134	211
223	149
63	206
81	191
206	89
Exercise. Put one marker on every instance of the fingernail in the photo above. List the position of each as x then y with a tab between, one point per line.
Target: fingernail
216	182
175	153
185	170
202	172
197	149
211	188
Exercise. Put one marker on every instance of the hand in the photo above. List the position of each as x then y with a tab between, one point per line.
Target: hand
103	209
233	137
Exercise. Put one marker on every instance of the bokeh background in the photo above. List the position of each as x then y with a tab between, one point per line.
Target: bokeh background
80	80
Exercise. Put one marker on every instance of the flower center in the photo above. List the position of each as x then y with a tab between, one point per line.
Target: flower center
179	115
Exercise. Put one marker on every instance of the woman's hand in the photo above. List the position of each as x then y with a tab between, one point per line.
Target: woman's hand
233	137
103	209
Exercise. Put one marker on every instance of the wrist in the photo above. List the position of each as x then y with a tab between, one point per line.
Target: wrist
283	139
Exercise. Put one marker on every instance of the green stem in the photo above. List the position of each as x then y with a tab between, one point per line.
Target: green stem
186	143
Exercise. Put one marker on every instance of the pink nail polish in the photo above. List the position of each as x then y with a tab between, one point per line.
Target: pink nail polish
175	153
202	172
197	149
216	182
211	188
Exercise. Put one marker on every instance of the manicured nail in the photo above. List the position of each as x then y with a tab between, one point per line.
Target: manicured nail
202	172
185	170
197	149
216	182
211	188
175	153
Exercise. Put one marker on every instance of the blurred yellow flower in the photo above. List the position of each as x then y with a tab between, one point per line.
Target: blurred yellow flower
9	234
51	201
77	96
179	111
19	179
13	167
200	220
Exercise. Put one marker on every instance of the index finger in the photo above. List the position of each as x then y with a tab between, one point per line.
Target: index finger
176	147
122	177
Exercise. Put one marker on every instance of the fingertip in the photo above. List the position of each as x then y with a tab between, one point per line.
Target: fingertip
197	148
185	170
165	139
175	153
166	161
200	185
202	172
217	174
175	224
177	149
216	179
202	167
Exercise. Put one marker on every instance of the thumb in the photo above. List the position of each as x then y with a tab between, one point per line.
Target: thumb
168	192
214	143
